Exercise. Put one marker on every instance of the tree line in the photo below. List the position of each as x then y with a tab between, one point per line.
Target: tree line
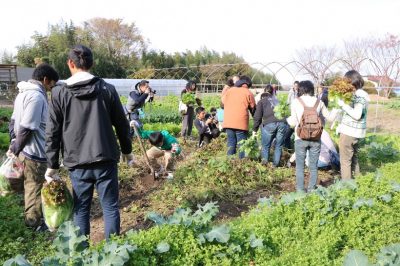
121	51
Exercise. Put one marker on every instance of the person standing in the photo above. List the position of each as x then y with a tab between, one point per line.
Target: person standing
82	114
352	127
307	100
293	93
323	94
271	127
27	130
229	84
188	115
136	101
238	101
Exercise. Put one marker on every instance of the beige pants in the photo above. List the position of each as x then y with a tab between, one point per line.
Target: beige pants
33	183
348	149
153	153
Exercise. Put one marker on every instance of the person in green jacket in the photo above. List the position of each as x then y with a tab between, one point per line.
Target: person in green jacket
164	144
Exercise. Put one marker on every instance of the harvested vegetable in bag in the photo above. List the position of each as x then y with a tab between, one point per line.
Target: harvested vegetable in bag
11	169
57	203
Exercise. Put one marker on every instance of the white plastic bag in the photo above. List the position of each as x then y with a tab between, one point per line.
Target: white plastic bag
11	169
182	108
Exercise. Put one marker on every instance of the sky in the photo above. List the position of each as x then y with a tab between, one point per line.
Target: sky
258	30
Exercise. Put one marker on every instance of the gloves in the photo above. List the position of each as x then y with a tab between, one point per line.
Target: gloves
10	154
254	134
51	174
127	158
176	149
134	123
340	102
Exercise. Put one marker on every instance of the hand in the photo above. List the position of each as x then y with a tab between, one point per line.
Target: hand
128	158
209	121
10	154
254	134
175	148
340	102
51	174
134	123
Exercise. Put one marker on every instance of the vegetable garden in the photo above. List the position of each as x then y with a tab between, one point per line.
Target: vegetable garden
225	211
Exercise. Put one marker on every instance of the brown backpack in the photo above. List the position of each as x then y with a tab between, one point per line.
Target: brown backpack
310	127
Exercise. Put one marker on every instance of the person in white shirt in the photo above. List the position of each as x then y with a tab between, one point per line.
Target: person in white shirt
352	127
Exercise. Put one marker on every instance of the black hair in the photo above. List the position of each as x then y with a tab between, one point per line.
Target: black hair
199	109
45	70
221	105
306	87
141	83
213	109
81	56
230	82
355	78
268	89
265	95
246	80
296	82
156	138
189	85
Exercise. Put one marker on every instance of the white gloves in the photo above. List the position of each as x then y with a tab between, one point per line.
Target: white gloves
340	102
127	158
134	123
10	154
51	174
254	134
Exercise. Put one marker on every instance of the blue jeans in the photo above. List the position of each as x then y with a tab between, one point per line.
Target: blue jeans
105	178
234	137
301	147
268	133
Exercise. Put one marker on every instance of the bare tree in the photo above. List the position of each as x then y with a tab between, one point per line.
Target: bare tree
355	52
385	54
316	61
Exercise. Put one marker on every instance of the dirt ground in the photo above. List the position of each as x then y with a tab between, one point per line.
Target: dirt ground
135	193
135	203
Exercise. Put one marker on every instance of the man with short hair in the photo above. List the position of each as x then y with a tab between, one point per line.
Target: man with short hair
136	101
27	131
202	124
85	119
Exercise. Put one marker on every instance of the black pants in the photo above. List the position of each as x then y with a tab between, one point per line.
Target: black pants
205	139
187	122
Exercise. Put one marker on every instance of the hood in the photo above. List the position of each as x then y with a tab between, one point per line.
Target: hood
82	77
362	93
32	85
85	89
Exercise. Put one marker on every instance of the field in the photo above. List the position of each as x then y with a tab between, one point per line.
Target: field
222	211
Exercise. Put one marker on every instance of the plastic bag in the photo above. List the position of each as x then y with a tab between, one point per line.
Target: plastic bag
182	108
11	169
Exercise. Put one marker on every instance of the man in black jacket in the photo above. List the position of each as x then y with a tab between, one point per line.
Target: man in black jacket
82	114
